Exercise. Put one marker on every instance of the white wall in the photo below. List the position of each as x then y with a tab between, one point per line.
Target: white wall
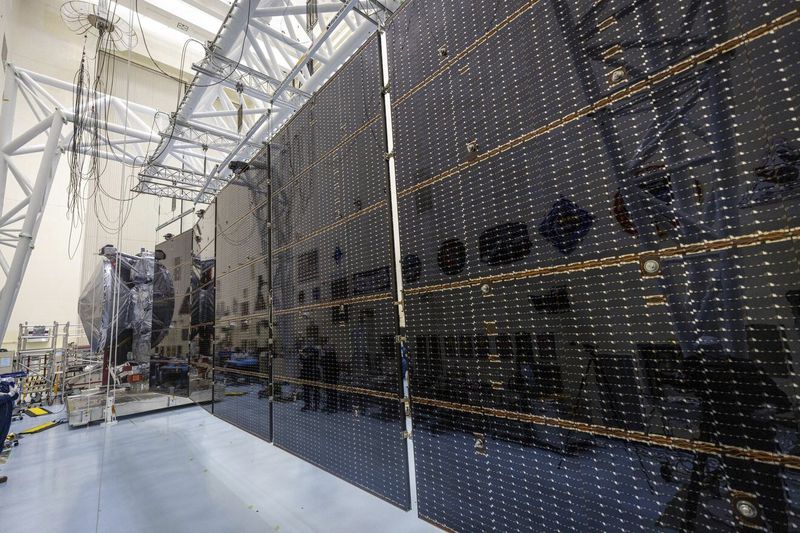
39	41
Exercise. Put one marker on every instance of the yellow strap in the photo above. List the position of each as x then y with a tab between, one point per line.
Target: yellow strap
37	429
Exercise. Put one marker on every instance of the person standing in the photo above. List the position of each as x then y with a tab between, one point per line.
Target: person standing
330	375
8	397
309	373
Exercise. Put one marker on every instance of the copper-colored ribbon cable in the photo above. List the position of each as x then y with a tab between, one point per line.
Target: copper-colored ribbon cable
321	305
342	388
623	94
336	303
226	370
729	243
641	437
627	92
483	39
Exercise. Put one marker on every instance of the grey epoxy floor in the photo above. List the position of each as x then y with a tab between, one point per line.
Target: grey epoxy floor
176	471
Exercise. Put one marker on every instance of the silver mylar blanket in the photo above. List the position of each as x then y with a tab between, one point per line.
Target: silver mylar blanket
141	290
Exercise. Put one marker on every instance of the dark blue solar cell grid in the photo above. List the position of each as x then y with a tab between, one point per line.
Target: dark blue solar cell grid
337	365
242	351
599	206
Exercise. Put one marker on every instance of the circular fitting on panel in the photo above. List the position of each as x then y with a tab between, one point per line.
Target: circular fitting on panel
486	289
650	266
746	508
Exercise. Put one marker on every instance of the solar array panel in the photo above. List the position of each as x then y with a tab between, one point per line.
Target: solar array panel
242	358
337	366
597	209
169	367
181	363
598	222
203	301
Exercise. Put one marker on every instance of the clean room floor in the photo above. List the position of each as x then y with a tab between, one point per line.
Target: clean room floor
176	471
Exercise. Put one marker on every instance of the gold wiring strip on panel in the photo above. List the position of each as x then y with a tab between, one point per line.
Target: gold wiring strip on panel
679	443
324	229
341	388
623	94
335	303
221	321
753	239
728	243
226	370
465	52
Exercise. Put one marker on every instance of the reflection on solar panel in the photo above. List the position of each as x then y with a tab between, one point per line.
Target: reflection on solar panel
242	359
169	371
337	379
203	301
181	362
599	220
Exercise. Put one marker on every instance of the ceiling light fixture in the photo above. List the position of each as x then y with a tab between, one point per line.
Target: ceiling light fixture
190	15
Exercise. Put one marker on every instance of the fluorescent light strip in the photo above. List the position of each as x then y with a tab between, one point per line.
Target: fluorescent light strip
188	13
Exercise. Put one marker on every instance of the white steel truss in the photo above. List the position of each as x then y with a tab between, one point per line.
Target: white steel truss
126	137
265	63
129	131
127	126
19	224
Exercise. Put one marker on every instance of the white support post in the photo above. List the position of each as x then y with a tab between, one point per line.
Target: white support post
396	255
